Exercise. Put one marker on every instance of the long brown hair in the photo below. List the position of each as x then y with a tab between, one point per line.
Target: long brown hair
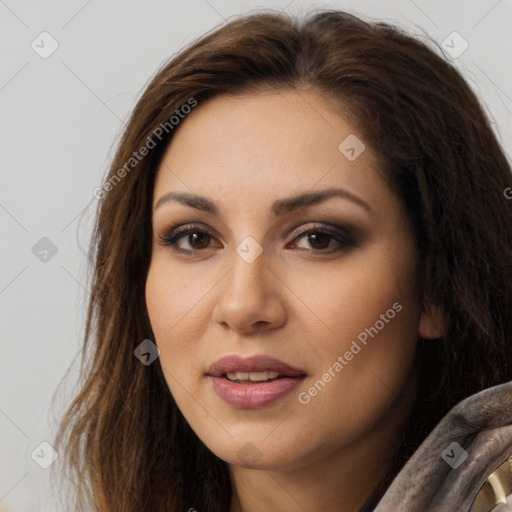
126	445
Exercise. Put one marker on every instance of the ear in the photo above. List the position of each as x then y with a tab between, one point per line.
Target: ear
432	322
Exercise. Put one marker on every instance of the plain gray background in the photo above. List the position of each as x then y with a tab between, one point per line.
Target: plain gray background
60	118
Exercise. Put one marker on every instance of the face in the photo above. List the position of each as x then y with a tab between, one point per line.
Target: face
289	245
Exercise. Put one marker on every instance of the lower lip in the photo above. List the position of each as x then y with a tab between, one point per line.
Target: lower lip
254	396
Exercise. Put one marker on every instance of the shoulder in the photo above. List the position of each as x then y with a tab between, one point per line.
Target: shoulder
496	490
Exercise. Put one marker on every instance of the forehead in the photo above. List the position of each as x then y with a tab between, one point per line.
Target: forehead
273	143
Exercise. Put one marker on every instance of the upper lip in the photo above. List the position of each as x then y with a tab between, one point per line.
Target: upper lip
260	363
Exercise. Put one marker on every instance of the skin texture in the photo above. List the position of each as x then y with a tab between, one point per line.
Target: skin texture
298	301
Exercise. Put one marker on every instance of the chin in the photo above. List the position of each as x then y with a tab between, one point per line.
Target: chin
255	453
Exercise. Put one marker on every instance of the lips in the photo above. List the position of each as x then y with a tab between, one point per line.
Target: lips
237	364
254	382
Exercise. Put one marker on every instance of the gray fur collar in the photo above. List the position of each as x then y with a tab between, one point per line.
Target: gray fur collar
481	425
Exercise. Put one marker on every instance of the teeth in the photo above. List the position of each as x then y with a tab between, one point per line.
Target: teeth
252	376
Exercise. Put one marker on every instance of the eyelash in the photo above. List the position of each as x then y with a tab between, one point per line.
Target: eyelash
340	235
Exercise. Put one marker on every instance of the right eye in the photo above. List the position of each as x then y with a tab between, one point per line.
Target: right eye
197	239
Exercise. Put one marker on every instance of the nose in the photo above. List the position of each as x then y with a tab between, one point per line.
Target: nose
250	297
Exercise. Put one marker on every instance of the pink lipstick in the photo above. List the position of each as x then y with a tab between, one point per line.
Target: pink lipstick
254	382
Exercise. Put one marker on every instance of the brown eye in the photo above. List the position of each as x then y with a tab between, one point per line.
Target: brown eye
199	240
187	239
320	239
190	239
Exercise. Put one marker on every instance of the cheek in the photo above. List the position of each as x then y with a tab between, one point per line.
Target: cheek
368	313
170	296
169	301
349	298
176	309
161	289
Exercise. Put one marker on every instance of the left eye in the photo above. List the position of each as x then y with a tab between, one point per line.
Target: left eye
319	240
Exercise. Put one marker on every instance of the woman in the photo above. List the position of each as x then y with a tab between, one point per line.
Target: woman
301	265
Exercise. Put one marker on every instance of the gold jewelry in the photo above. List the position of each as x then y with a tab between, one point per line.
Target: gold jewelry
495	489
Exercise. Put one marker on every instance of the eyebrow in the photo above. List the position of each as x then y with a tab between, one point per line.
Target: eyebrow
279	207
